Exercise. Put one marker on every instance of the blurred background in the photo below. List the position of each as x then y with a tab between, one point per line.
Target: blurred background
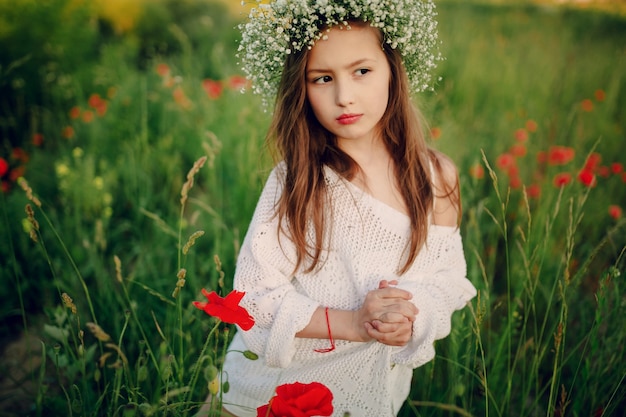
105	105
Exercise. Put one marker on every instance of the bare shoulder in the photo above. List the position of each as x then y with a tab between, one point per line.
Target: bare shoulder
447	202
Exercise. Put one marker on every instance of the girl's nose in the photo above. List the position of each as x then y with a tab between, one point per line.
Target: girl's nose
344	92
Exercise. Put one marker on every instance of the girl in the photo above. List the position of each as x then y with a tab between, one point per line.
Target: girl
353	263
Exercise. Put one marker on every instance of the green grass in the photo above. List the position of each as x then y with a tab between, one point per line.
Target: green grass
545	334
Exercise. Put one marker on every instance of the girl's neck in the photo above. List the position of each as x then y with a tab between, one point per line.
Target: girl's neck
367	152
376	174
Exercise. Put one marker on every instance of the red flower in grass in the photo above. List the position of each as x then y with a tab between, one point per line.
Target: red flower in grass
600	95
226	309
98	104
299	400
604	171
74	112
68	132
212	88
521	135
562	179
617	168
37	139
95	101
237	82
515	182
505	161
586	105
592	161
531	125
4	167
615	211
20	155
477	171
587	178
163	70
533	191
518	150
542	157
560	155
16	173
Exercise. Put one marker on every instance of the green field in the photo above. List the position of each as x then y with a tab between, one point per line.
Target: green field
103	121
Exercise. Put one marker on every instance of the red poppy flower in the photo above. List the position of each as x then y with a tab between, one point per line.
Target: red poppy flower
592	161
74	112
212	88
600	95
16	173
67	132
531	125
586	105
533	191
87	116
477	171
435	132
237	82
181	98
505	161
542	157
560	155
226	309
4	167
37	139
299	400
615	211
515	182
95	101
587	177
562	179
604	171
20	154
518	150
521	135
163	70
617	168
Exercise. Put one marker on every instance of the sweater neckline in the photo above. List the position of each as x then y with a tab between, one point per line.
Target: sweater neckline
395	216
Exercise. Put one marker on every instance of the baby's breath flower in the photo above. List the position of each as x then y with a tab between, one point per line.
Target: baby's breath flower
281	27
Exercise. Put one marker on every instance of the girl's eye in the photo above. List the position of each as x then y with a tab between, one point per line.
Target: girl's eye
323	79
362	71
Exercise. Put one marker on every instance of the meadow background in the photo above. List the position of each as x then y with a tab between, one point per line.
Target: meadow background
109	231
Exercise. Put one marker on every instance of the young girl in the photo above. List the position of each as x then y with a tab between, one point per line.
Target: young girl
353	263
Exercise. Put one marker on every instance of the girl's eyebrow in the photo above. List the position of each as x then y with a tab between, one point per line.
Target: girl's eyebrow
351	65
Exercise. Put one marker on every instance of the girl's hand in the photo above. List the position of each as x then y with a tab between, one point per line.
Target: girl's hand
387	315
392	329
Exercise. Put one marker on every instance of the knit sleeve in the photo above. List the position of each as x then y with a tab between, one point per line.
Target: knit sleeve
264	272
439	289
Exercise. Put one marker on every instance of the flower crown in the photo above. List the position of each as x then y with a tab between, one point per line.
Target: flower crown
281	27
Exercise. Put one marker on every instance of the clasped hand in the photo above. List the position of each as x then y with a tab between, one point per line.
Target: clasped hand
387	315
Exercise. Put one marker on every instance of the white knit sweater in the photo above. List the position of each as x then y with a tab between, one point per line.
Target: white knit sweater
367	241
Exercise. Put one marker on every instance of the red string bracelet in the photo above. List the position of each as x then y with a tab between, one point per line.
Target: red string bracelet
330	337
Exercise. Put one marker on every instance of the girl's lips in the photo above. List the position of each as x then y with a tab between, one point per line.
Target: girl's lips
348	119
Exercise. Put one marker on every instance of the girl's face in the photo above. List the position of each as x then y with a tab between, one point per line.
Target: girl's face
347	82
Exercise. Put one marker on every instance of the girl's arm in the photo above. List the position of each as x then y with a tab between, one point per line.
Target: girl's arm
386	304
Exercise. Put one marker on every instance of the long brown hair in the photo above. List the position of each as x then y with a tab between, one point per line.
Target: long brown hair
305	146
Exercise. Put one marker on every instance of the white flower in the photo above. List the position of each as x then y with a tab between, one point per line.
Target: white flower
282	27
